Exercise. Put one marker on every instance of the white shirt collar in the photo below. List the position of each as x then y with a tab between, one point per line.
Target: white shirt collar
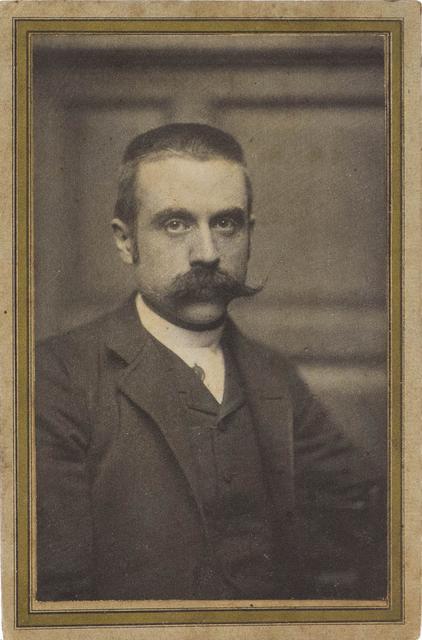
193	347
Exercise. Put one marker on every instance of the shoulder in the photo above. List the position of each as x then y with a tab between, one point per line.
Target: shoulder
256	351
71	369
80	345
268	364
72	345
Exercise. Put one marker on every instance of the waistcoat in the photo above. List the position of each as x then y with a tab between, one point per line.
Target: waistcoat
236	508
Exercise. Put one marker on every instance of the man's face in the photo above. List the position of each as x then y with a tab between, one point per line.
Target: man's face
192	236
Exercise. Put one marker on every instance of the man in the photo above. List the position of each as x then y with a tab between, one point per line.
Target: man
175	457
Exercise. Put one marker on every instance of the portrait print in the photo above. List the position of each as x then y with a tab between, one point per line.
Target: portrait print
309	113
214	345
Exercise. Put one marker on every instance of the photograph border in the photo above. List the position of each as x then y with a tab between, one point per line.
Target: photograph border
120	614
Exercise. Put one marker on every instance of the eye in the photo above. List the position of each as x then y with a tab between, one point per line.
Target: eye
226	225
175	226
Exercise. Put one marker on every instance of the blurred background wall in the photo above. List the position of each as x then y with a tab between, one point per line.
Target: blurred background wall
309	111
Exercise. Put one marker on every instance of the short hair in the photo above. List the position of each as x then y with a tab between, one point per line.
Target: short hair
199	141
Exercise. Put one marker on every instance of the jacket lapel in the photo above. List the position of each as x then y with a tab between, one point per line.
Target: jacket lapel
270	403
148	382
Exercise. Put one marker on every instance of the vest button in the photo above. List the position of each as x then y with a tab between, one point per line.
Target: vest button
227	477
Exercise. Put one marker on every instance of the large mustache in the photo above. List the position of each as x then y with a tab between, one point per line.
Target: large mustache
205	283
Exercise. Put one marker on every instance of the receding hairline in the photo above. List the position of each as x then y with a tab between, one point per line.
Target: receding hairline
156	156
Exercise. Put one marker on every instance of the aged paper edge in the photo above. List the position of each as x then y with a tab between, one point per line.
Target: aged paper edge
408	13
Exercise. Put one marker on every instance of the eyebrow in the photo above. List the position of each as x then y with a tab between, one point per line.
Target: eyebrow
184	214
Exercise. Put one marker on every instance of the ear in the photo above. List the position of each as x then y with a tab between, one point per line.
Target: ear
124	240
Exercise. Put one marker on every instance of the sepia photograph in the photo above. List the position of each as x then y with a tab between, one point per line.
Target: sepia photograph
211	234
211	375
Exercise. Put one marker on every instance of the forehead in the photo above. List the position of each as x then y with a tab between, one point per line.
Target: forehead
184	182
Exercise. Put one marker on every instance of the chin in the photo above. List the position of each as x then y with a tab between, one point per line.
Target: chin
203	313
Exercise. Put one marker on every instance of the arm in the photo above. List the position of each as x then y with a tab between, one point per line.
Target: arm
64	519
341	505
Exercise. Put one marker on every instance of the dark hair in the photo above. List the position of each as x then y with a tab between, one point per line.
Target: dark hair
194	139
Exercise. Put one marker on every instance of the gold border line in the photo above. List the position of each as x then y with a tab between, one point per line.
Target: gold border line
317	612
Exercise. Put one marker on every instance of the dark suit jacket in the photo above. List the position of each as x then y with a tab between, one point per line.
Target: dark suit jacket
118	511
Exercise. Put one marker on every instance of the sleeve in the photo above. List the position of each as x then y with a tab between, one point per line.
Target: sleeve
64	518
341	505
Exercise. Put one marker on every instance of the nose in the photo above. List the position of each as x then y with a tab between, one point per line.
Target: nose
204	250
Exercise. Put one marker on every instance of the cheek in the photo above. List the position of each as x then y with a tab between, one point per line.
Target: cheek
235	254
160	260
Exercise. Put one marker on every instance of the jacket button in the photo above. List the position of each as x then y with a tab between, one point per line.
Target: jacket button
227	477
